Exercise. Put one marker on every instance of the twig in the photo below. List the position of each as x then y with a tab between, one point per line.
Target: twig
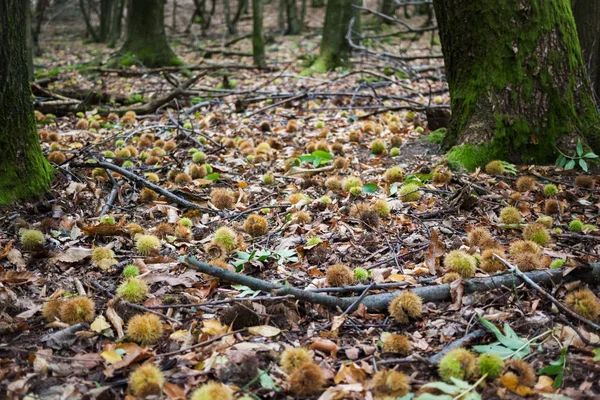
434	359
226	301
205	343
515	270
112	196
148	310
352	306
143	182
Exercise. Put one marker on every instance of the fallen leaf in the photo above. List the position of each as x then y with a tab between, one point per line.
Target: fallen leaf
434	252
73	255
264	330
111	356
99	325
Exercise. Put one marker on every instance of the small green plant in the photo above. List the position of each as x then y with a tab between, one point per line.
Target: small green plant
458	390
317	158
509	344
567	162
557	368
280	256
509	168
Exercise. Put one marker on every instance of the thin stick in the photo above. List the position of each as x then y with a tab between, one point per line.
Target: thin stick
515	270
205	343
141	181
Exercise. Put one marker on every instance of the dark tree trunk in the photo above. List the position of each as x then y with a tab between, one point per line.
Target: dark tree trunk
258	41
388	7
293	22
587	19
145	40
317	3
116	21
335	48
517	81
24	172
29	39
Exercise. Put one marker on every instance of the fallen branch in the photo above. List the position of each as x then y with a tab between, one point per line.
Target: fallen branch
155	104
143	182
548	296
380	301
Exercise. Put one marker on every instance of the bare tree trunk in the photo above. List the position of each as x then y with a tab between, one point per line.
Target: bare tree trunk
24	171
258	41
293	23
335	48
517	81
587	19
146	41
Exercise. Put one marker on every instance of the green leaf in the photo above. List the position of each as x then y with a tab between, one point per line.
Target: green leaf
393	189
370	188
579	148
590	155
511	345
322	155
459	383
561	161
212	177
570	165
558	380
266	381
443	387
583	164
597	353
429	396
551	370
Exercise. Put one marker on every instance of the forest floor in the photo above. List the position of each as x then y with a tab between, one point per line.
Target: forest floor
271	154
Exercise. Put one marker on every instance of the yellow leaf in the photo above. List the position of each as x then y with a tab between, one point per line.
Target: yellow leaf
179	336
111	356
100	324
264	330
396	278
213	327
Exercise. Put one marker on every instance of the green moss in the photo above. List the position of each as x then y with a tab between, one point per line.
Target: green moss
509	72
437	136
470	157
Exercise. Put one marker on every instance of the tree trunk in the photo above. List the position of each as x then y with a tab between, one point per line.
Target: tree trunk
24	172
517	81
228	22
388	7
317	3
281	16
145	40
117	17
258	41
293	23
335	49
29	39
587	19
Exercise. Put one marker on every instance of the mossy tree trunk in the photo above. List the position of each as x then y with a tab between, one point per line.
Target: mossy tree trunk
24	172
258	41
335	48
587	19
517	81
145	40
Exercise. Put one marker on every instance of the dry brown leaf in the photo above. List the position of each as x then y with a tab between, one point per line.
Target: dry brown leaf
19	277
73	255
350	373
434	252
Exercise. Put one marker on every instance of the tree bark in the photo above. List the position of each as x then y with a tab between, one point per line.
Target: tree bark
258	41
335	49
146	41
24	172
388	7
293	23
517	81
29	39
587	19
